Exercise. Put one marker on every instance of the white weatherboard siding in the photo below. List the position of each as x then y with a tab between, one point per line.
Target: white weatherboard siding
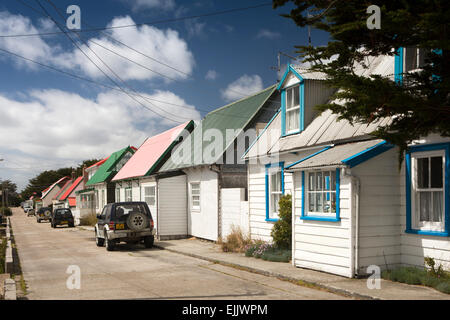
203	222
260	229
379	212
149	182
416	247
172	207
100	202
323	245
234	210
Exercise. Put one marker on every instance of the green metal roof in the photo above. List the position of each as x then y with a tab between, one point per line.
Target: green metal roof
106	170
232	116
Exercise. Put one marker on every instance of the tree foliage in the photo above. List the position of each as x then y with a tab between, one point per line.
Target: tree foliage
48	177
282	229
420	106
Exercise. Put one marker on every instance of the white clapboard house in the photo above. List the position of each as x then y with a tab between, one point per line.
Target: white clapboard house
352	205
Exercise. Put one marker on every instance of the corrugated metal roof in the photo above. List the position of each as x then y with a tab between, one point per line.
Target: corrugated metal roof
309	74
71	188
47	191
99	163
63	189
334	156
327	129
151	152
221	119
105	171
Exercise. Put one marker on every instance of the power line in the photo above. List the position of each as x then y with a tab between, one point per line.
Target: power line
101	70
209	14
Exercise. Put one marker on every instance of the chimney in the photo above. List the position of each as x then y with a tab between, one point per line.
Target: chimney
85	176
73	175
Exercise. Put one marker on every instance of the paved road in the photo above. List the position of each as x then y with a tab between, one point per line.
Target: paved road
132	272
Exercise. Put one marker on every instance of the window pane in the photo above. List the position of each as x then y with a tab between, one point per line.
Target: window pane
319	202
292	120
422	173
276	181
311	202
326	202
436	172
319	181
333	180
333	202
275	199
289	98
425	203
437	206
311	181
326	179
296	96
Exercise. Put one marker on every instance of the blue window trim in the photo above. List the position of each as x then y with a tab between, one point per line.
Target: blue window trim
399	59
283	102
367	154
268	166
408	177
337	218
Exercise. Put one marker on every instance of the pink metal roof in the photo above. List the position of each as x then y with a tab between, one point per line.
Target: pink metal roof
149	153
71	188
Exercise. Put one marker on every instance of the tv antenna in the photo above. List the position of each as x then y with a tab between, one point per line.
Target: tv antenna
278	67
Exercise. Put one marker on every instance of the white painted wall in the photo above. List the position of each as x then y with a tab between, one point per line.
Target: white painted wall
234	210
172	206
416	247
203	223
260	229
323	245
379	218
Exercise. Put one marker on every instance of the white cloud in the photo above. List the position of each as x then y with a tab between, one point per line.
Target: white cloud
56	126
195	28
242	87
271	35
211	75
163	45
153	4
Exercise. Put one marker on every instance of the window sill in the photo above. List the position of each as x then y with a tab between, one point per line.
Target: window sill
272	219
319	218
428	233
290	133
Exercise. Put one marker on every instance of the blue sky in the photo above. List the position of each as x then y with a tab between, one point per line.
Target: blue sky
50	120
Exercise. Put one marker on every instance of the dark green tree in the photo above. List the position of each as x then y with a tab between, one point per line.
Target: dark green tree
282	229
419	107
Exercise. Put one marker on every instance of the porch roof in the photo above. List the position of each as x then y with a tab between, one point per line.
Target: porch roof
349	154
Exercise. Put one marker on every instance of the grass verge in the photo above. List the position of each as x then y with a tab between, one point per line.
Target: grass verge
88	220
417	276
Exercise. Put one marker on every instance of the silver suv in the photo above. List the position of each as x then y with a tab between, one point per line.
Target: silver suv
129	222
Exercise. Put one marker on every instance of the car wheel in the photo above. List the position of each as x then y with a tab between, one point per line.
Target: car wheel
109	244
71	225
148	241
99	241
38	221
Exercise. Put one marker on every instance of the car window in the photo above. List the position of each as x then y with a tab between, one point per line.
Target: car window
63	211
103	215
125	209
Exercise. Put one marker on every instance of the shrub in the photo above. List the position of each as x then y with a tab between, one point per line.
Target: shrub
282	230
5	211
236	241
88	220
2	255
268	252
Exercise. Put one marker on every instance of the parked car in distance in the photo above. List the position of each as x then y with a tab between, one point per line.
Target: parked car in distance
30	212
62	216
129	222
44	213
26	208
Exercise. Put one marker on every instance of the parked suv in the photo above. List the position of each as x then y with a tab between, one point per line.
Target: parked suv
29	211
44	213
129	222
62	216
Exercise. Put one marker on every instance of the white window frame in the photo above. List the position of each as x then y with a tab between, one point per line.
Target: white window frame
273	213
415	215
148	198
292	109
191	195
117	194
323	191
129	197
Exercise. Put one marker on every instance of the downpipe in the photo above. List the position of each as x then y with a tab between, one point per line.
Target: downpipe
356	184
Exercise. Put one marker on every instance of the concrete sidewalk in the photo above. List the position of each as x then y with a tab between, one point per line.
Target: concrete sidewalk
350	287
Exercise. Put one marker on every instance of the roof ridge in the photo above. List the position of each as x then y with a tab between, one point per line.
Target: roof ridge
244	98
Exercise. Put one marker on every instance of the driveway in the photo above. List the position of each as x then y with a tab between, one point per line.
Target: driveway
132	272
